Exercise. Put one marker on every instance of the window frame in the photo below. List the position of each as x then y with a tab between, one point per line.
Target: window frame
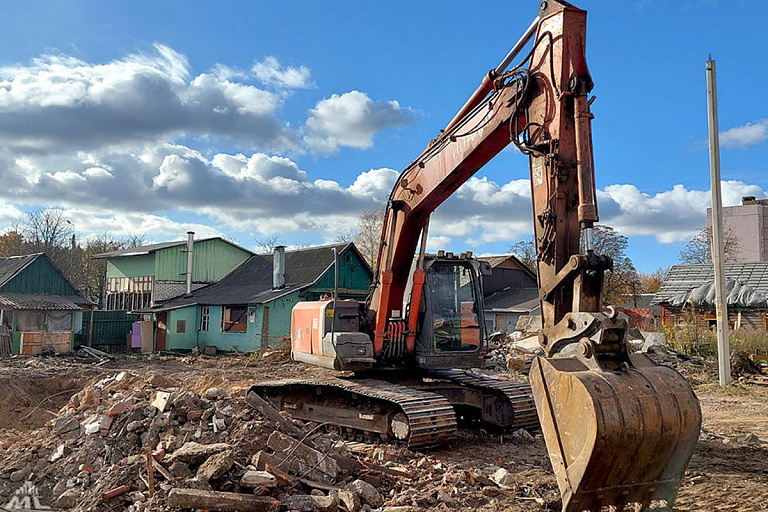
205	318
240	325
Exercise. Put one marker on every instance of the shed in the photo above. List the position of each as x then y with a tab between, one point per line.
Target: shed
688	293
248	310
39	308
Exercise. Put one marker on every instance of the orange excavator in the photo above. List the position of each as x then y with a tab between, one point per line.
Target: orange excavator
619	429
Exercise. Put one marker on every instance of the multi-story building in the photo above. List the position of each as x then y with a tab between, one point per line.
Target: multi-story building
747	224
142	277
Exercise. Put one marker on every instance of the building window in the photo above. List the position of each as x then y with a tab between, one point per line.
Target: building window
205	318
235	319
181	326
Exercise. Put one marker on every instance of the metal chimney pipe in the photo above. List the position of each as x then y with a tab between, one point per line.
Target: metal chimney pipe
278	267
190	259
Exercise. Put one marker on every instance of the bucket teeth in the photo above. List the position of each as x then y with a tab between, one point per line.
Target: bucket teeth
615	437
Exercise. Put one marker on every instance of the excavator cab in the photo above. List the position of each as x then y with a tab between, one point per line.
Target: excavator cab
451	323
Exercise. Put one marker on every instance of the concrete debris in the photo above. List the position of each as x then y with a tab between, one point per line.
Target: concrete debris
503	477
367	492
195	453
310	503
67	426
215	466
214	394
160	402
252	479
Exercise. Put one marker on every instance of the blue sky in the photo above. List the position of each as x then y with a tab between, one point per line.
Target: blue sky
289	118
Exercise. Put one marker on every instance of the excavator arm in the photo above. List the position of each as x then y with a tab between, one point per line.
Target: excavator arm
544	110
619	429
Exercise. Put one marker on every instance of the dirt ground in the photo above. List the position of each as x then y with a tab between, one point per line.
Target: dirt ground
728	472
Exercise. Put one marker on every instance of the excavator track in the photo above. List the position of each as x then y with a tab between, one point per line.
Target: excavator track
500	395
420	418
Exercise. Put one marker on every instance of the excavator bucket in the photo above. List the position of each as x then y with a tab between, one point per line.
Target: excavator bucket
615	437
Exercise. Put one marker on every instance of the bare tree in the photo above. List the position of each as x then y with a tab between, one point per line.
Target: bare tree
46	230
90	275
525	250
368	236
699	248
267	243
132	240
346	236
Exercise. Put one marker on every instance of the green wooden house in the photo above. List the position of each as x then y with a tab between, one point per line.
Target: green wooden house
140	277
39	308
250	309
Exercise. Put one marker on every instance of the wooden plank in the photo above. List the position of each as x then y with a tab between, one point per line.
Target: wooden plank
273	415
214	500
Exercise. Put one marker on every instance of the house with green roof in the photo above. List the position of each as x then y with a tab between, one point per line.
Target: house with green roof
39	308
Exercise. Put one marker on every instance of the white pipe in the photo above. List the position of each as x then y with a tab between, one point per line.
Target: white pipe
190	259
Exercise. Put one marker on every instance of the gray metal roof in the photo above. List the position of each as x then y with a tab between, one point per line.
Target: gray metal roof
513	299
149	249
42	302
251	282
11	266
682	279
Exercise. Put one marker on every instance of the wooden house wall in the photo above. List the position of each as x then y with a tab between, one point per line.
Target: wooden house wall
40	277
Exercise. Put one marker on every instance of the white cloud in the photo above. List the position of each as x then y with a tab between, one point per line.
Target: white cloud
746	135
350	119
59	102
671	216
270	72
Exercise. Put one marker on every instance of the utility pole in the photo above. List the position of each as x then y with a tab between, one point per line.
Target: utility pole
718	256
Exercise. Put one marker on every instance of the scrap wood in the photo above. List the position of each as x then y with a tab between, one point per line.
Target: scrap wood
214	500
279	473
319	485
150	471
387	471
271	413
161	469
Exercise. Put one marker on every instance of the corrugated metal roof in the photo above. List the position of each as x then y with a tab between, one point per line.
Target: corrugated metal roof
149	249
684	278
11	266
513	299
43	302
251	282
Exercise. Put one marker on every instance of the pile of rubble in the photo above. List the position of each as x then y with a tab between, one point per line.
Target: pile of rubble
131	442
509	351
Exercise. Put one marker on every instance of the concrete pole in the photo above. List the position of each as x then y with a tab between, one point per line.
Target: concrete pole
718	256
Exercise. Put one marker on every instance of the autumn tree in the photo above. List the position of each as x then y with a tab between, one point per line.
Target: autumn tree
651	282
368	237
12	244
699	248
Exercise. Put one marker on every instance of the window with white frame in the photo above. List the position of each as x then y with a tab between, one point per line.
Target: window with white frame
205	318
